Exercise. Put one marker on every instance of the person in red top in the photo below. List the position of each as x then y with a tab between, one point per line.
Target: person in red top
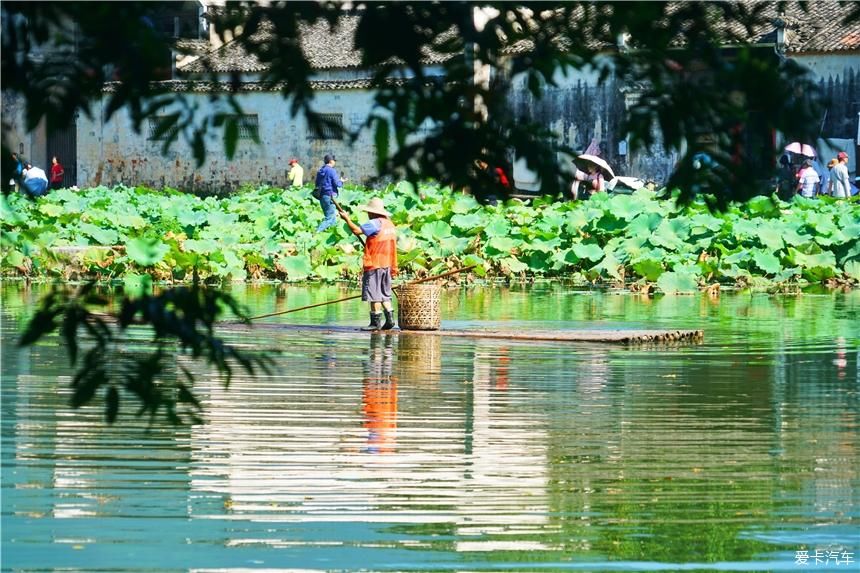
379	263
56	174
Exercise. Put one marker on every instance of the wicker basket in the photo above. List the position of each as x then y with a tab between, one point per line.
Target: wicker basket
418	307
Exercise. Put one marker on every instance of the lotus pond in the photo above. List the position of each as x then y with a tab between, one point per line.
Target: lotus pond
637	239
386	453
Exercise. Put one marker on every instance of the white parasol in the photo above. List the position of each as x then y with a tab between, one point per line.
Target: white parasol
584	160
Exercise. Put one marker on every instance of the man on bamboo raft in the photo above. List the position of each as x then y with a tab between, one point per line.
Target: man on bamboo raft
379	263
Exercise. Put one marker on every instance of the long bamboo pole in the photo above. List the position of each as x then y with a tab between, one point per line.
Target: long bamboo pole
340	210
415	282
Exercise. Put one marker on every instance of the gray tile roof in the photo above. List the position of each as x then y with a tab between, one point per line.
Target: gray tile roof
204	86
324	47
819	29
822	29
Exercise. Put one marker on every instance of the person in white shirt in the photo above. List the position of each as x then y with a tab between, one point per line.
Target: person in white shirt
35	181
808	179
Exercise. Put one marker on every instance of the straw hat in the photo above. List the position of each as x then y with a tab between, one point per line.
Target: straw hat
375	206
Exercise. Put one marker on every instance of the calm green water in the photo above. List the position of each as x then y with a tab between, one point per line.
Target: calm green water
383	453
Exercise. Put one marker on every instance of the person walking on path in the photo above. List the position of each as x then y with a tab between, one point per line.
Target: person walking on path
839	184
35	181
57	173
327	185
296	174
379	263
807	180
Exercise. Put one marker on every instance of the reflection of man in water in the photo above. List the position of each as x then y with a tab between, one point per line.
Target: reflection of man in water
379	400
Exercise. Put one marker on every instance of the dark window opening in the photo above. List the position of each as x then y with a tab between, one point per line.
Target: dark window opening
153	127
330	127
249	126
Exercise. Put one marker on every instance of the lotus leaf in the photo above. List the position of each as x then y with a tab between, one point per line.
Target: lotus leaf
770	235
787	274
590	251
703	222
500	245
471	223
512	265
766	262
792	237
644	224
670	234
649	269
737	257
853	253
201	246
435	230
146	252
745	228
51	209
449	246
497	227
762	207
852	269
14	258
677	283
616	236
609	266
106	237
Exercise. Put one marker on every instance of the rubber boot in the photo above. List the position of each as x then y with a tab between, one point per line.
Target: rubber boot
375	321
389	320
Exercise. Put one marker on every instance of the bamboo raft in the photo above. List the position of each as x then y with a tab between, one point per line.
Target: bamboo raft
617	336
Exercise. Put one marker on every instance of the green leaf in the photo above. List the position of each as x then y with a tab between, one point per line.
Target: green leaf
146	252
852	269
298	267
500	245
513	266
480	264
51	210
649	269
497	227
590	251
676	283
14	258
472	222
767	262
435	230
101	236
610	266
770	236
671	234
762	206
200	246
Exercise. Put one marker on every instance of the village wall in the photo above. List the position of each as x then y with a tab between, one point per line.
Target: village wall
112	152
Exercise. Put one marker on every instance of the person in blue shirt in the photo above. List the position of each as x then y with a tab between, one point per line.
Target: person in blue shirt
328	183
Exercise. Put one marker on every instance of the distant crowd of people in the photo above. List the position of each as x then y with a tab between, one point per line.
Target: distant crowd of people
809	180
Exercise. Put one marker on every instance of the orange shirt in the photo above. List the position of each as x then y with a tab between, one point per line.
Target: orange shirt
380	251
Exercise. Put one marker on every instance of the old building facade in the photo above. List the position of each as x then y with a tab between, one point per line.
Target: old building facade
582	111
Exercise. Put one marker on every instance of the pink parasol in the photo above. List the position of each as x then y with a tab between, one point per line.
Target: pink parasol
800	149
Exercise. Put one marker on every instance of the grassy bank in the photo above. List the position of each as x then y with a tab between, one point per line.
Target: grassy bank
269	233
